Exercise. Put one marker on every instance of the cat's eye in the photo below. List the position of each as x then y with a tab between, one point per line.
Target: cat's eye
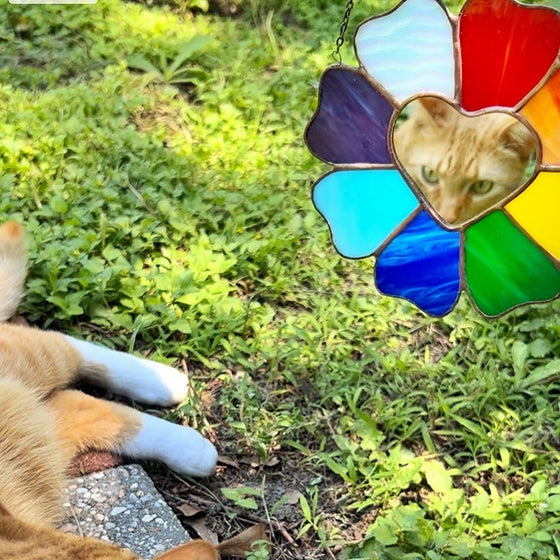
482	187
429	175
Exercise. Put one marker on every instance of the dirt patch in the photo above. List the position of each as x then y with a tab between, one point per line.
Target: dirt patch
268	494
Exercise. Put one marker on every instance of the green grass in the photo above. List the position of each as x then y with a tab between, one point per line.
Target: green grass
169	212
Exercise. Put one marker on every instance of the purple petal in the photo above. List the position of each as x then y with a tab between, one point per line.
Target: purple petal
351	123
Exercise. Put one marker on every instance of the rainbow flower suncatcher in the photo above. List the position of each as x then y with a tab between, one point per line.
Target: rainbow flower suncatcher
496	56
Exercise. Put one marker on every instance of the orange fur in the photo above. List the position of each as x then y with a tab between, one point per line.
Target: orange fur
84	422
196	550
12	266
43	425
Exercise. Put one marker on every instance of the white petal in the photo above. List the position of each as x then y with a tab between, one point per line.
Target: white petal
410	50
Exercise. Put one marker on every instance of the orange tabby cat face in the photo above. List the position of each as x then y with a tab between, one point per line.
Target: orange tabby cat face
464	166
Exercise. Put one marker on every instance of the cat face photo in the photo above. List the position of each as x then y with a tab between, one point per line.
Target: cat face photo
464	166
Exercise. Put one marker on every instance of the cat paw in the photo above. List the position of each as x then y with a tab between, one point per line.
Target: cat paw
187	452
181	448
167	387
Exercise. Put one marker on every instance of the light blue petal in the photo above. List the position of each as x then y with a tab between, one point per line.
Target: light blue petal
409	50
363	207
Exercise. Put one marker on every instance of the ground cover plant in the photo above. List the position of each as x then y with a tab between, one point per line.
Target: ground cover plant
155	152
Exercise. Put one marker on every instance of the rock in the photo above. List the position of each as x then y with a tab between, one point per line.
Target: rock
106	505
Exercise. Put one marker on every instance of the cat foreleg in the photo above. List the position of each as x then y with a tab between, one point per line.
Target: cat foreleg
88	423
137	378
181	448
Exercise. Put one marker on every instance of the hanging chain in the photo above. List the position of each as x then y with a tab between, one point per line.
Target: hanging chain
340	41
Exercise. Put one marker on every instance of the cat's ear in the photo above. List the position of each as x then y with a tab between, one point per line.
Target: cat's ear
436	110
517	137
194	550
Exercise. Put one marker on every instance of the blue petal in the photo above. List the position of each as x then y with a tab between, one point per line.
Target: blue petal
422	264
363	207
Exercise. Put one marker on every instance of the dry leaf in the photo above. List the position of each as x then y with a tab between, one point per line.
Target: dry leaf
291	497
252	461
189	511
199	525
239	545
223	460
273	461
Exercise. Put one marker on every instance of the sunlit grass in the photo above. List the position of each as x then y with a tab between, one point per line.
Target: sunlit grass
177	220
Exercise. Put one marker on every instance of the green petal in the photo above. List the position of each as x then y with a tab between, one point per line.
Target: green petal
504	268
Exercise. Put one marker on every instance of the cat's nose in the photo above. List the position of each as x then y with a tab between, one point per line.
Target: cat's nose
450	210
450	216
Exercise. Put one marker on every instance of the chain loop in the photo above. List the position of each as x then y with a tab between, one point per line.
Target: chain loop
344	26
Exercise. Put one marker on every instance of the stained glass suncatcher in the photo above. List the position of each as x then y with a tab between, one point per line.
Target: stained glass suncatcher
445	147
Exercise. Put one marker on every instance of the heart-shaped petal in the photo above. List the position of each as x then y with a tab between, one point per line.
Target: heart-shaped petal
363	207
409	50
504	269
506	50
351	122
543	112
537	211
422	265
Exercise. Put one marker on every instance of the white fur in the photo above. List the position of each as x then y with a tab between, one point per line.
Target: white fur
139	379
181	448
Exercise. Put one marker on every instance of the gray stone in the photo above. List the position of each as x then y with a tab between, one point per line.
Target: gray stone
106	505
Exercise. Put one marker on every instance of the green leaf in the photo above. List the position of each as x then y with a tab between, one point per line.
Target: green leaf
187	49
437	477
553	503
110	253
384	531
139	62
540	348
541	374
305	508
58	204
181	325
538	491
541	536
530	523
519	354
239	496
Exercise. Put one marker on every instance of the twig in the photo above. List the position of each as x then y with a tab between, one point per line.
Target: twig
76	520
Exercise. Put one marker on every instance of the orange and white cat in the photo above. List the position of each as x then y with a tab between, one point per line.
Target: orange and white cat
44	424
463	165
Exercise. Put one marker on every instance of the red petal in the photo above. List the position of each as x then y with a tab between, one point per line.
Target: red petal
506	49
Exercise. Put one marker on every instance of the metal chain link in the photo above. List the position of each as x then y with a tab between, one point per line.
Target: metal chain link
340	41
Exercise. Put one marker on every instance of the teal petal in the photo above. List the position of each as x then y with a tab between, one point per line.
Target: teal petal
363	207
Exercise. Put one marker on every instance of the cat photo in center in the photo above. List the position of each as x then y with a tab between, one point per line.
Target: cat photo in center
44	424
463	165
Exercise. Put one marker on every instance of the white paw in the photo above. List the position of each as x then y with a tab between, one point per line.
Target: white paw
188	452
139	379
170	387
181	448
